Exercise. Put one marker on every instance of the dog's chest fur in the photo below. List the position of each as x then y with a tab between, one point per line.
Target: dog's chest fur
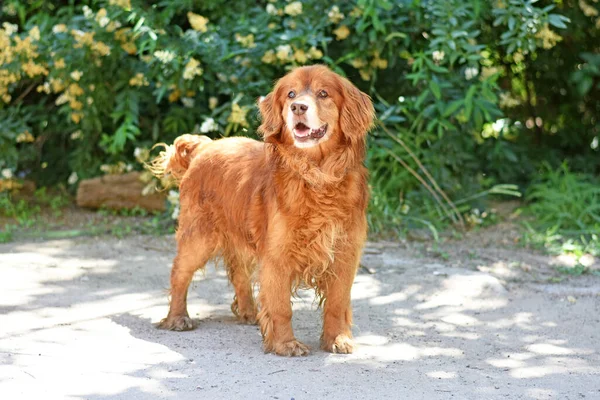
312	224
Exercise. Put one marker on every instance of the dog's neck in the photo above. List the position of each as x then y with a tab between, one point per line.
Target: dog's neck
315	167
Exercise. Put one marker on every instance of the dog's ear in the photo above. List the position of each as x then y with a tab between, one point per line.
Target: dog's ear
357	114
272	121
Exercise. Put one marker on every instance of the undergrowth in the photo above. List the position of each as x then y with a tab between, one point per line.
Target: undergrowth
565	207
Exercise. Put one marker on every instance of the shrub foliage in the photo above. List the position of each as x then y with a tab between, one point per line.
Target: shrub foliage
481	91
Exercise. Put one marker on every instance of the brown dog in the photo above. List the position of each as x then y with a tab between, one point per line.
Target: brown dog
292	208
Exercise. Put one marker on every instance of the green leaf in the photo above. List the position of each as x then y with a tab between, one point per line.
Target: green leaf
435	89
421	98
452	107
469	101
584	85
558	21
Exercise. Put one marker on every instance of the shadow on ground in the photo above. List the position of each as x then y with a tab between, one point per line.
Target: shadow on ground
76	321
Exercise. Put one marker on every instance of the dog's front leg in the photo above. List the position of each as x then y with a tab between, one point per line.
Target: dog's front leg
275	316
337	310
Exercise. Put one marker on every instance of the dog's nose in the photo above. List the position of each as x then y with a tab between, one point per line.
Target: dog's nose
299	108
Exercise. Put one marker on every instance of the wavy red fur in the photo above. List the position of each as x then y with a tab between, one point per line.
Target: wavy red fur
296	216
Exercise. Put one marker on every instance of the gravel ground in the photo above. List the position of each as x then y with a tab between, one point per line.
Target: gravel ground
478	322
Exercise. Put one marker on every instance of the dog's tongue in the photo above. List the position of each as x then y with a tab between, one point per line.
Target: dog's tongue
302	130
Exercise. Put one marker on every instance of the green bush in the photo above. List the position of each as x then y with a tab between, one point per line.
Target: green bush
480	92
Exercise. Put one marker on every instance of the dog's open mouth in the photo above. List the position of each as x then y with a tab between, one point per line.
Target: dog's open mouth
303	132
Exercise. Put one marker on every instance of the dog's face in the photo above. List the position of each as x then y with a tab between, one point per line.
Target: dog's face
313	105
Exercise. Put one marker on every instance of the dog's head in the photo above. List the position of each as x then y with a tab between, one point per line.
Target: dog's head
313	106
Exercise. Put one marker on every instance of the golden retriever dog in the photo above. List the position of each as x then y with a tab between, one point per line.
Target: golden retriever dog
289	212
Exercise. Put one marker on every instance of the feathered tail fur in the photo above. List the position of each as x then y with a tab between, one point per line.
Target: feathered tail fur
174	160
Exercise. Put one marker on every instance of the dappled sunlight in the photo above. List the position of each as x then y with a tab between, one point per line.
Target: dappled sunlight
84	357
441	374
457	289
365	287
79	321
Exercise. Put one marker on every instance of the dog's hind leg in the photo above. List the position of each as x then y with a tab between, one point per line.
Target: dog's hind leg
192	255
240	271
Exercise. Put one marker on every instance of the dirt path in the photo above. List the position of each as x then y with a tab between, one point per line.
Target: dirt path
76	322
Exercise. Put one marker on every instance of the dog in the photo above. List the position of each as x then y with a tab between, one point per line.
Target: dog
288	212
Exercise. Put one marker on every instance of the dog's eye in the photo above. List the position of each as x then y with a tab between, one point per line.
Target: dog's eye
292	94
322	94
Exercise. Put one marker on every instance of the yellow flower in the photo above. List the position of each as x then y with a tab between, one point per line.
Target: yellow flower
358	63
213	102
76	135
76	75
314	53
192	69
75	104
272	25
271	9
25	137
335	16
300	56
238	115
122	35
549	38
342	32
10	28
130	48
101	17
76	117
174	96
379	62
588	11
82	38
164	56
62	99
57	85
112	26
365	74
60	28
60	63
198	22
283	52
6	98
246	41
126	4
138	80
293	9
518	57
44	88
269	57
34	33
356	12
74	90
101	48
25	47
32	69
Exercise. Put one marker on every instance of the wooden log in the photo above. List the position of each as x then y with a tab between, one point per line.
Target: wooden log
118	192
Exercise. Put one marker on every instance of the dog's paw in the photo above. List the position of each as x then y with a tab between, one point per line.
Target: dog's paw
342	344
248	318
177	323
292	348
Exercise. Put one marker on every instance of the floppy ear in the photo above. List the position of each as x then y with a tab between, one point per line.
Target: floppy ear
356	117
272	121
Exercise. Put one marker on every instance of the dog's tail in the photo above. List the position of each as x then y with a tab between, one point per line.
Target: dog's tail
175	159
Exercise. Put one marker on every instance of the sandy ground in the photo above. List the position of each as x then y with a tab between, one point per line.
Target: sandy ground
76	321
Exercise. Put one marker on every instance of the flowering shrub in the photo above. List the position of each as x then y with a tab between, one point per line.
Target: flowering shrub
84	87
